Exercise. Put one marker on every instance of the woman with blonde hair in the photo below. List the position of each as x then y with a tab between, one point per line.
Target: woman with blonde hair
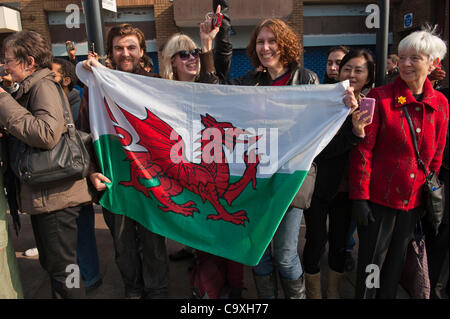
182	60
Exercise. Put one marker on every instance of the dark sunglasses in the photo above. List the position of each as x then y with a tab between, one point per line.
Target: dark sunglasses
184	54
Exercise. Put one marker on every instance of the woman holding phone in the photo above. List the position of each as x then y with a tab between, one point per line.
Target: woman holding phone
386	182
330	197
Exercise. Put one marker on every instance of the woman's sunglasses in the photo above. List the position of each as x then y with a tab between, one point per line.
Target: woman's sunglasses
184	54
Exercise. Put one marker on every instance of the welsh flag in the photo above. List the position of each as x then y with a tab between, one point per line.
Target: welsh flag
214	167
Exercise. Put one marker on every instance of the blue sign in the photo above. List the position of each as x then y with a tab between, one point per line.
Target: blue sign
408	20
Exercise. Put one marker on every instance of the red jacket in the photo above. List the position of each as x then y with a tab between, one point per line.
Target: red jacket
383	167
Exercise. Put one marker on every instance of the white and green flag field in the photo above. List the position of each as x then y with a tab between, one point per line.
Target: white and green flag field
214	167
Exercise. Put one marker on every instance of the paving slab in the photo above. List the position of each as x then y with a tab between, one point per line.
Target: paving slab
36	283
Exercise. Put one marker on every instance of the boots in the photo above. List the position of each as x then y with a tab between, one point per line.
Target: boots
334	280
266	286
294	289
313	287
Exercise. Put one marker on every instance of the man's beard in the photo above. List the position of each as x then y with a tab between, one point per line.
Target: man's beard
134	68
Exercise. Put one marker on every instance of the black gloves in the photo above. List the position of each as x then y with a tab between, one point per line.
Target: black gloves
362	213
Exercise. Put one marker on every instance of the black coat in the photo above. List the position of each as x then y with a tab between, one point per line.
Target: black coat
333	161
299	75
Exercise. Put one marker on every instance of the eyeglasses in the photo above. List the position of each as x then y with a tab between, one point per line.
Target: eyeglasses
8	61
184	54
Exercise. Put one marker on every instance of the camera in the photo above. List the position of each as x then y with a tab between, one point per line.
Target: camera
216	19
70	46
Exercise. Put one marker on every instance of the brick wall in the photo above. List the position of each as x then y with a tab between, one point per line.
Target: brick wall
165	24
296	22
34	17
60	5
240	64
423	12
316	58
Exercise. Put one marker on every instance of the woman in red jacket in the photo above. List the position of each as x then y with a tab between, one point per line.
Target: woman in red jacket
386	182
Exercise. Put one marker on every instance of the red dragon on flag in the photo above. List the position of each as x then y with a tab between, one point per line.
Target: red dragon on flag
166	160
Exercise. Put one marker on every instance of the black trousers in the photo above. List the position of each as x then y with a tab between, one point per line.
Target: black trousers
56	239
141	257
383	243
339	212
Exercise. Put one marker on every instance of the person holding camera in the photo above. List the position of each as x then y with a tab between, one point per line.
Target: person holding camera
274	52
71	49
36	118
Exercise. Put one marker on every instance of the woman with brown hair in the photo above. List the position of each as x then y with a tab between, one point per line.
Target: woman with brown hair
274	48
274	52
36	118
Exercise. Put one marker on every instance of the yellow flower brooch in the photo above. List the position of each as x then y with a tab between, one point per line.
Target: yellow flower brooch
401	100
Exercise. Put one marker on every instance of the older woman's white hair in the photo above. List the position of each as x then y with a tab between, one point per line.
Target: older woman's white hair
176	43
425	42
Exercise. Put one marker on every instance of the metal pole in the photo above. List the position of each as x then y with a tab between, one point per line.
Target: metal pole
382	42
95	28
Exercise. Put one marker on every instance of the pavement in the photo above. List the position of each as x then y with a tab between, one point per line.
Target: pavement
36	283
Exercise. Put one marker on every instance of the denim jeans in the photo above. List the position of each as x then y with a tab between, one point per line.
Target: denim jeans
87	254
285	253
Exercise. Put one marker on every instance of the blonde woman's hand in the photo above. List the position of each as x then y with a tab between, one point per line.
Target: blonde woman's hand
208	33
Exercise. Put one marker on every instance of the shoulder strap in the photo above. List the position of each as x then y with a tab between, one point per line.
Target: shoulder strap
416	148
69	122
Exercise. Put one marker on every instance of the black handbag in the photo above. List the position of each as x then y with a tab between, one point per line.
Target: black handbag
433	189
68	160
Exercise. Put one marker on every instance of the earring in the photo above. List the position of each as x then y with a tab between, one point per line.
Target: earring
174	71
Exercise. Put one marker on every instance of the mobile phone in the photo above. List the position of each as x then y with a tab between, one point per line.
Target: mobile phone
367	104
70	46
217	20
3	71
92	47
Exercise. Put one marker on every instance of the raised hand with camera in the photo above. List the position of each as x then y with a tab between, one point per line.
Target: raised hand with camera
209	29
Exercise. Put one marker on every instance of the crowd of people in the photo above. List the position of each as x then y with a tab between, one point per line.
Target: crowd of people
367	176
